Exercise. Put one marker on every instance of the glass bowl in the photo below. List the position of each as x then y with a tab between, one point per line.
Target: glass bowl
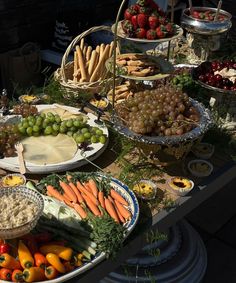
31	195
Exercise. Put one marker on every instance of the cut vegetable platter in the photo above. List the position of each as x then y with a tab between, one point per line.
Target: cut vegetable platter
60	152
87	240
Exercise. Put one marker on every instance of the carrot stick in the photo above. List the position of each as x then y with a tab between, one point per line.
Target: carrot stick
68	191
118	197
93	187
80	210
91	205
76	191
101	199
68	177
87	186
83	190
123	211
69	203
121	218
111	210
51	191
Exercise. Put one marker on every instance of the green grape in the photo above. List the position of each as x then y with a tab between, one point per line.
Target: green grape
46	120
22	130
44	125
29	131
62	129
102	139
94	129
20	125
50	114
74	135
36	128
51	119
31	123
69	133
77	123
57	118
54	133
69	123
87	135
39	121
63	123
84	130
43	115
94	139
80	139
25	125
48	130
73	129
99	132
56	127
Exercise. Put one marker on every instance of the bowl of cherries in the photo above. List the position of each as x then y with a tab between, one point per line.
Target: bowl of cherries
217	75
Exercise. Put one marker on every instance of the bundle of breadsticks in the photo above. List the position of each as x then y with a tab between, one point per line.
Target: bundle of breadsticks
89	63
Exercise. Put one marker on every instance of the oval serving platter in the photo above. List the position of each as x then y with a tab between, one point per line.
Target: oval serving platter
80	158
134	209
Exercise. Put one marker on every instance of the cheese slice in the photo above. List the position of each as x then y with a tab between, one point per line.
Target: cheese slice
45	150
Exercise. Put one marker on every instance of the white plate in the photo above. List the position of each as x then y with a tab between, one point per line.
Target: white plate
122	34
11	163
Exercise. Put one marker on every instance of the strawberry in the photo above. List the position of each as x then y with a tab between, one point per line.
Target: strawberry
163	20
140	33
129	13
151	34
135	8
134	21
161	31
169	28
153	21
144	10
127	27
142	20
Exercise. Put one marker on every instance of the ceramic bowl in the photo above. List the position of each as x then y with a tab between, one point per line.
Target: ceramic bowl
200	168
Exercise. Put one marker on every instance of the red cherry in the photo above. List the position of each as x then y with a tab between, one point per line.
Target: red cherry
218	78
202	78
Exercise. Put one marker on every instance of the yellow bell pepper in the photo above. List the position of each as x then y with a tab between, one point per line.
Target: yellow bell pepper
54	260
63	252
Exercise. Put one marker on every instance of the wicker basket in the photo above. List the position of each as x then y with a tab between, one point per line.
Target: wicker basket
64	74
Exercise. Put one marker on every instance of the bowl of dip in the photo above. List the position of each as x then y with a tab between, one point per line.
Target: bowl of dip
20	209
13	180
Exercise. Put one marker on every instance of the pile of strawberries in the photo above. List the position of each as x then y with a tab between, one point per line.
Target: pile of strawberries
146	20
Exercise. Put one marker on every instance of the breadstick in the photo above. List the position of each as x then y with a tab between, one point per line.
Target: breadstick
98	69
84	76
85	50
75	67
88	53
111	48
92	63
82	43
102	48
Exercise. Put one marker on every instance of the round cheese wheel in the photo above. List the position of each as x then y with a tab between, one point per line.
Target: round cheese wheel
45	150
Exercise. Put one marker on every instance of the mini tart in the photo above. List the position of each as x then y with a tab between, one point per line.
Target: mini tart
28	98
200	168
101	104
203	150
13	180
180	184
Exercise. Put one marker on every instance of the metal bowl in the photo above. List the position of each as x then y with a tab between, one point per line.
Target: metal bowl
195	73
205	27
203	125
31	195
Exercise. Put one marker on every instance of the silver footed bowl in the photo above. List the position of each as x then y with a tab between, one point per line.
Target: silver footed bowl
205	27
206	121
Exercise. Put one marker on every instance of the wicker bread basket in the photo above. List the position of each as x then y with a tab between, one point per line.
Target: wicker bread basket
64	74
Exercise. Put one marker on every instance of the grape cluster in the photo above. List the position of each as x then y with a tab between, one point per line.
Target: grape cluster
25	109
164	111
9	135
50	124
